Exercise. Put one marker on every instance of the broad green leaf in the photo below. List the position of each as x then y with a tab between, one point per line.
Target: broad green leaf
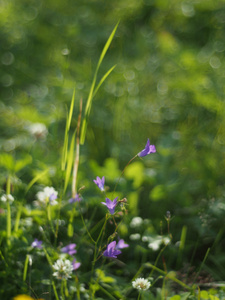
7	161
20	164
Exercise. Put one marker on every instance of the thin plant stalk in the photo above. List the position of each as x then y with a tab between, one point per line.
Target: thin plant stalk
17	221
49	217
76	161
55	290
169	276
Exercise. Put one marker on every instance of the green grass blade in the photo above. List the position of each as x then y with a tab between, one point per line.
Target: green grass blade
68	123
25	267
107	45
69	165
91	93
102	80
36	179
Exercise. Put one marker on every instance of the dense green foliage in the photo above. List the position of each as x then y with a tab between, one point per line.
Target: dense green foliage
168	85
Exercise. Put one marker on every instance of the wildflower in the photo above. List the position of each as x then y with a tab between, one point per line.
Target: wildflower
121	245
75	264
37	244
111	250
69	249
148	149
141	284
135	236
100	182
63	269
76	199
49	194
155	245
39	130
110	204
136	222
8	197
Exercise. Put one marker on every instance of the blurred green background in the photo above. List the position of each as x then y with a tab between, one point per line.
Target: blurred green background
168	86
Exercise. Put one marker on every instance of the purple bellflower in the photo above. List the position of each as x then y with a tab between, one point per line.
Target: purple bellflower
110	204
100	182
37	244
75	264
121	245
69	249
148	149
111	250
76	199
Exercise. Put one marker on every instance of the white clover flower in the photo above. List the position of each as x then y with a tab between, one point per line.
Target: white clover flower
7	197
155	245
141	284
48	194
38	129
135	236
63	269
136	222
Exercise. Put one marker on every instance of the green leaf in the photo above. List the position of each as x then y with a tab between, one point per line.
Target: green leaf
7	161
175	297
20	164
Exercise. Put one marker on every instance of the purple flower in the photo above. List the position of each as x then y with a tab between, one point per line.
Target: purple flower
37	244
100	182
121	245
111	250
75	264
110	204
76	199
148	149
69	249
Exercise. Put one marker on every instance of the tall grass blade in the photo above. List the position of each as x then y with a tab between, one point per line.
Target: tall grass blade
70	157
182	245
36	179
25	267
92	93
102	80
68	123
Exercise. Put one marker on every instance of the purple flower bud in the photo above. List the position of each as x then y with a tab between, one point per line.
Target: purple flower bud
75	264
76	199
148	149
121	245
69	249
37	244
100	182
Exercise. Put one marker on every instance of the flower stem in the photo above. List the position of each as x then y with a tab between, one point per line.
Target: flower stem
124	171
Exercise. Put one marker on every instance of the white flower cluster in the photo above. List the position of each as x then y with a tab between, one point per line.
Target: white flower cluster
136	222
154	243
49	194
8	197
63	269
38	129
141	284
